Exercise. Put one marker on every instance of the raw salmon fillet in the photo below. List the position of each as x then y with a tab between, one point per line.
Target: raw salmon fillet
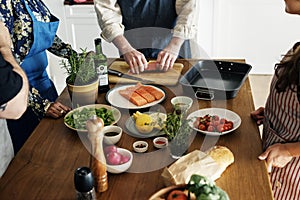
156	93
145	94
133	97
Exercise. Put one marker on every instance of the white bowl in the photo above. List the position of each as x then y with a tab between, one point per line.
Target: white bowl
182	102
117	169
140	149
83	117
222	113
112	139
163	140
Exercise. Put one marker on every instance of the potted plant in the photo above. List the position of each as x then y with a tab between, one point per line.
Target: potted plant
82	79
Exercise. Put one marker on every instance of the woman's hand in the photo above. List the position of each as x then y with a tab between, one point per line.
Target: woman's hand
57	110
276	155
258	115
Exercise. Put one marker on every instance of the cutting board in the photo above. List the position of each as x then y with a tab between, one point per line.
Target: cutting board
169	77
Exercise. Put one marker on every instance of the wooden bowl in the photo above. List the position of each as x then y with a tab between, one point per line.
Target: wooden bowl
163	193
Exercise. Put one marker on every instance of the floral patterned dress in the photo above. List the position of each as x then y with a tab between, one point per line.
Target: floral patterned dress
18	21
19	17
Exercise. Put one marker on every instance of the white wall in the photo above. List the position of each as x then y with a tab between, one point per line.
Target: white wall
56	73
258	30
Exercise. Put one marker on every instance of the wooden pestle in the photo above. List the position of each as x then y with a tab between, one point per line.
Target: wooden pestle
98	165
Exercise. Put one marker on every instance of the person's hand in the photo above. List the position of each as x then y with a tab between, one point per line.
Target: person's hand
136	61
258	115
167	57
57	110
276	155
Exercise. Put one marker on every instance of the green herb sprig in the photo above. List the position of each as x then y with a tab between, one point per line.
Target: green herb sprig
80	68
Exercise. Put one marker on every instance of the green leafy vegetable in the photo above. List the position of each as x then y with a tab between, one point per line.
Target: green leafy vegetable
78	118
204	189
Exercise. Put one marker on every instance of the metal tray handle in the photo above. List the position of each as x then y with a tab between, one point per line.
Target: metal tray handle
204	94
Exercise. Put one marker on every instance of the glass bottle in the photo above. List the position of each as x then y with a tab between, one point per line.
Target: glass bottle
100	61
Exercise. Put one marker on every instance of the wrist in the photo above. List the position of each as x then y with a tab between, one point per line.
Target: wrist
122	44
293	149
47	105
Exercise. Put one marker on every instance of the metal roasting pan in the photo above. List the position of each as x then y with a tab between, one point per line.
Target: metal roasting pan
212	79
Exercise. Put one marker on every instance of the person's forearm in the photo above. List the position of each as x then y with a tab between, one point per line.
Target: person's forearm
122	44
16	106
176	42
109	19
186	23
293	148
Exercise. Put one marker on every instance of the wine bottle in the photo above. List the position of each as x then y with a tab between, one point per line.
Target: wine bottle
100	61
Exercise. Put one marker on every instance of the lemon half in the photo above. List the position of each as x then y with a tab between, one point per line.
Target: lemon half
143	122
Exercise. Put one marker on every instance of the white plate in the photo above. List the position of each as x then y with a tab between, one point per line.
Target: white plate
115	99
116	114
222	113
132	131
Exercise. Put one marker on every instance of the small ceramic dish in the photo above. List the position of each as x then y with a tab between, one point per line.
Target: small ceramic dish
182	103
160	142
140	146
112	134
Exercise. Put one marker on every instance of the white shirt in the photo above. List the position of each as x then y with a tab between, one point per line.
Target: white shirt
6	147
110	19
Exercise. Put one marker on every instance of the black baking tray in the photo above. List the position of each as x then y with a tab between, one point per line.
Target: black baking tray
212	79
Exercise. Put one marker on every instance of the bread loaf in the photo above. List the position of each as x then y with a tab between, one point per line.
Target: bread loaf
210	164
222	155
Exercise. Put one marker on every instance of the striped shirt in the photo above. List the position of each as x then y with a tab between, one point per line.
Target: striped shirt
282	125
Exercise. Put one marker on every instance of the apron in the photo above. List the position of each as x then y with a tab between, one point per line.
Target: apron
34	65
281	126
36	61
148	25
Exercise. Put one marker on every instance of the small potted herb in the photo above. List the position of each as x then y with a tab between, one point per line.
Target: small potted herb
82	79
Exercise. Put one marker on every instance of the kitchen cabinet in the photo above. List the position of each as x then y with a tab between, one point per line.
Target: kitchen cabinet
82	28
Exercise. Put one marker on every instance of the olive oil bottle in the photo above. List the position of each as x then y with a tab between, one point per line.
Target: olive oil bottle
100	61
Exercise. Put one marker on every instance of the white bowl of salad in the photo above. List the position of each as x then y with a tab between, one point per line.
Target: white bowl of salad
76	119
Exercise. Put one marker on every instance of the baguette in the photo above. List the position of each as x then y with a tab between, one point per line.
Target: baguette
222	155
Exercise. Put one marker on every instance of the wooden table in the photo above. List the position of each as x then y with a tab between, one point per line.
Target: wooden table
44	167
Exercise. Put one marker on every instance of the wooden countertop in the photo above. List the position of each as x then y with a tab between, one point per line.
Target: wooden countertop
44	167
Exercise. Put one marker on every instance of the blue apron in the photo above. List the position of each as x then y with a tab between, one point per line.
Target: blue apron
36	60
34	65
148	25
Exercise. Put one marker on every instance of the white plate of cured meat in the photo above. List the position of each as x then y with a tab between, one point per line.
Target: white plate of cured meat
135	96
